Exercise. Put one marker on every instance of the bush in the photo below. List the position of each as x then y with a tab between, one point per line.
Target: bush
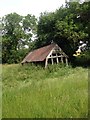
83	59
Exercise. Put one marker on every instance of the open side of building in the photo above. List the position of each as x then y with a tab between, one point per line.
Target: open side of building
49	54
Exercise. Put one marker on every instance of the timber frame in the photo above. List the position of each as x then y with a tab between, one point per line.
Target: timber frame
56	54
49	54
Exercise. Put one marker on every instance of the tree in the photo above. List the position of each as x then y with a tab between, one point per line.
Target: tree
17	32
66	26
45	29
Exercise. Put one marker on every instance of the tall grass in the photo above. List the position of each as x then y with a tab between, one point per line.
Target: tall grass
34	92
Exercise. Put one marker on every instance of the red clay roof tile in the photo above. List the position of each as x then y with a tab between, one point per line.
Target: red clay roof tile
38	54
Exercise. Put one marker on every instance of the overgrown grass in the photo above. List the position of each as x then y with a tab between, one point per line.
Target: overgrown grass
35	92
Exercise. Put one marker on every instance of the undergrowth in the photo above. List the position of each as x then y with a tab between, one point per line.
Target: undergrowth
31	91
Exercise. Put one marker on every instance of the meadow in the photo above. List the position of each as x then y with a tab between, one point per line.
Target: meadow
34	92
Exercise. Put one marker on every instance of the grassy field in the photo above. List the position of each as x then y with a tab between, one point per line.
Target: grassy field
35	92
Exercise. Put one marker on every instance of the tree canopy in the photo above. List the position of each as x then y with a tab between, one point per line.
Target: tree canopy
67	26
17	32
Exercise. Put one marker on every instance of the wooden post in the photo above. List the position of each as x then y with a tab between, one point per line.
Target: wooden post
62	59
46	62
52	60
57	59
66	61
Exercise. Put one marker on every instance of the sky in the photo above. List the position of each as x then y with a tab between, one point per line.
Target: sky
24	7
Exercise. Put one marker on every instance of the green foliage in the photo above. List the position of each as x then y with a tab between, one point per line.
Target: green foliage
83	59
45	30
66	26
17	32
34	92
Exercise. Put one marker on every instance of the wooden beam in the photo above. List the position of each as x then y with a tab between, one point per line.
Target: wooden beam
62	59
46	62
52	60
55	56
57	59
66	61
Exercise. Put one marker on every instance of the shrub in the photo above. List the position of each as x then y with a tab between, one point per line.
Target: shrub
83	59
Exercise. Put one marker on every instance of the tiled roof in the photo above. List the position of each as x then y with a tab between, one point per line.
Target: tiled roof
39	54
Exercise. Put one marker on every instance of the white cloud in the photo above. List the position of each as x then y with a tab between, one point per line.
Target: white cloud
24	7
